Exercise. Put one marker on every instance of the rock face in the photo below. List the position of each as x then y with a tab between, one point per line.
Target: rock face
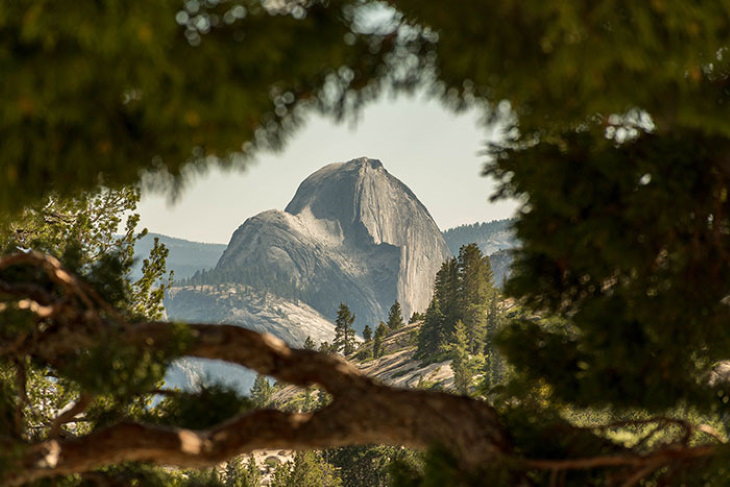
353	233
291	320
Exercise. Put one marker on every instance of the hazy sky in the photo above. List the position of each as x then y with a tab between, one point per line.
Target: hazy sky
433	151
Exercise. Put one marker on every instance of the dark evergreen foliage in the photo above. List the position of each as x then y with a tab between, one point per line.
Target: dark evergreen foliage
240	474
459	351
630	252
209	405
308	469
432	333
415	317
366	466
309	343
462	293
395	317
344	332
493	360
476	291
380	333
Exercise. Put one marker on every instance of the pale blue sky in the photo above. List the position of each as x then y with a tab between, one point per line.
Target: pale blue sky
432	150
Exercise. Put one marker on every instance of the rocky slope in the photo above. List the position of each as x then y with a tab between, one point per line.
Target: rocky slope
396	367
291	320
399	368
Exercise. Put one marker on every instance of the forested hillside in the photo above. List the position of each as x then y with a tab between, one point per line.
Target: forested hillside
437	352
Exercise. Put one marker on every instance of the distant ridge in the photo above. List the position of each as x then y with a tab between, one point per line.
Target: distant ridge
186	257
490	236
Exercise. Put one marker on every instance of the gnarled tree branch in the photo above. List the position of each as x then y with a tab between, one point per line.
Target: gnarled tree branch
362	411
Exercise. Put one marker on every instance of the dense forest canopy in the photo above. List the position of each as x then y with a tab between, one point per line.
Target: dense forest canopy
618	150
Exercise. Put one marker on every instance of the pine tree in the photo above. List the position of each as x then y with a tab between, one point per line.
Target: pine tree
432	333
416	316
344	332
462	292
367	333
380	333
239	475
252	475
365	466
491	373
395	317
476	291
308	469
447	289
309	400
309	343
311	470
460	359
261	391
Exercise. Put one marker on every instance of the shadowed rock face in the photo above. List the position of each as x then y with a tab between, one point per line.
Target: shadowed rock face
352	233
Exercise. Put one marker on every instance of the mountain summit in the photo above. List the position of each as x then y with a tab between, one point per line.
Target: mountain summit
353	233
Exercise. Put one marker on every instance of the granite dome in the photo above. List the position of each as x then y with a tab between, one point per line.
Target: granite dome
353	233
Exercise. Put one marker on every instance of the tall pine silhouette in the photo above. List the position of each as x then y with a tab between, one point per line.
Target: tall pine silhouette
463	292
395	317
344	332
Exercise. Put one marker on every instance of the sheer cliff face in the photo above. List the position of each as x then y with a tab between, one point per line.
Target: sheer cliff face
354	234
